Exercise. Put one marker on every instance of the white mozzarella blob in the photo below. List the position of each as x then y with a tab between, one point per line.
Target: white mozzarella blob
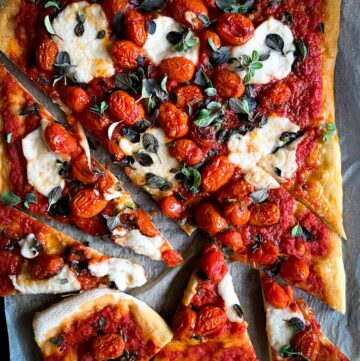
247	150
260	179
42	171
63	282
278	65
27	248
157	47
227	293
89	56
122	272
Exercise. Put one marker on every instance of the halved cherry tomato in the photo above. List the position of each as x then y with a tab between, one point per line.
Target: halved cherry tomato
124	108
204	136
178	68
265	254
237	213
264	214
212	263
112	7
46	53
173	120
81	171
235	29
171	257
46	266
125	54
308	343
76	98
228	84
109	346
275	294
135	27
185	150
95	226
206	294
277	95
294	270
209	219
188	11
87	204
216	174
93	122
210	320
231	238
188	96
238	190
145	225
114	150
172	207
184	322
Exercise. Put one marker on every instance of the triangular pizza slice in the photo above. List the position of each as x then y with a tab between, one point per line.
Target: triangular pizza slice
47	168
35	258
293	331
209	323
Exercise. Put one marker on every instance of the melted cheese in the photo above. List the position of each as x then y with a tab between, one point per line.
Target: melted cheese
278	66
42	171
89	56
260	179
122	272
84	143
157	47
27	249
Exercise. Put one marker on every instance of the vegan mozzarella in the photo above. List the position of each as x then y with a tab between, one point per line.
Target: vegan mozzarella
157	47
27	248
260	179
122	272
89	55
278	65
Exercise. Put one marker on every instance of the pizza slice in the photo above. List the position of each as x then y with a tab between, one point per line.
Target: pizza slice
209	323
36	258
47	168
293	331
98	325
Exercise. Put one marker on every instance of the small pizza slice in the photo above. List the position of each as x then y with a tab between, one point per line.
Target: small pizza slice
209	320
293	331
99	325
47	168
35	258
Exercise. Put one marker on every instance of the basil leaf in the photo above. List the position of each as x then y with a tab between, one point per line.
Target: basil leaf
190	178
151	26
150	143
62	66
211	92
156	182
130	205
232	6
48	25
79	28
301	49
287	351
141	126
239	310
202	79
296	323
101	34
29	198
220	56
112	222
8	137
301	232
9	199
54	4
131	134
329	131
275	42
100	109
144	159
123	81
259	196
54	196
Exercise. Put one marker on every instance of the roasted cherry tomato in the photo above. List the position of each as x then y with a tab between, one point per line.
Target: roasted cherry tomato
209	219
277	95
216	174
188	96
135	27
228	84
125	54
210	320
188	11
264	214
46	53
96	226
235	29
204	136
81	170
94	123
212	263
106	347
171	257
112	7
185	150
184	322
124	108
60	141
238	190
207	35
172	207
46	266
275	294
87	204
294	270
114	150
206	294
174	121
308	343
145	225
178	68
76	98
265	254
237	213
231	238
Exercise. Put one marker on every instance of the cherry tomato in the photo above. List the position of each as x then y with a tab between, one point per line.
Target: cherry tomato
206	294
178	68
185	150
265	254
216	174
237	213
81	171
277	95
172	207
112	7
135	27
109	346
174	121
294	270
172	258
231	238
308	343
188	96
188	11
204	136
87	204
228	84
125	54
212	263
184	322
145	225
76	98
60	141
114	150
95	226
94	123
210	319
209	219
235	29
264	214
207	35
46	53
46	266
238	190
275	294
124	108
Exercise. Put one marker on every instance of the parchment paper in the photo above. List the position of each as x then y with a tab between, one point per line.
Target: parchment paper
165	287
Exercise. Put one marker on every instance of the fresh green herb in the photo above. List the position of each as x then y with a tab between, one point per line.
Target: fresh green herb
112	222
190	178
287	351
301	232
233	6
287	137
156	182
329	131
123	81
211	114
275	42
29	198
251	63
211	92
205	20
244	105
150	143
8	137
151	5
151	26
54	196
202	79
62	66
296	323
218	55
100	109
130	205
54	4
239	310
101	35
48	25
143	159
163	84
181	41
9	199
301	49
79	28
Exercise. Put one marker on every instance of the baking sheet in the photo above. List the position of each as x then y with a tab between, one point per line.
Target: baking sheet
165	287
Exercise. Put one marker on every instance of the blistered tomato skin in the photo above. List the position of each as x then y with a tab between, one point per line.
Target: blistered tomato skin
212	263
278	95
135	27
231	238
76	98
174	121
145	225
81	171
188	95
46	53
275	294
112	7
178	68
294	270
265	254
171	207
46	266
308	343
209	219
87	204
187	12
238	190
264	214
172	258
107	346
185	150
125	54
237	213
94	123
210	320
228	84
235	29
184	323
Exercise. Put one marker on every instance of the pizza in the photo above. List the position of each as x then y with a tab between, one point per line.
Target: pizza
36	258
46	167
293	331
100	324
209	323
